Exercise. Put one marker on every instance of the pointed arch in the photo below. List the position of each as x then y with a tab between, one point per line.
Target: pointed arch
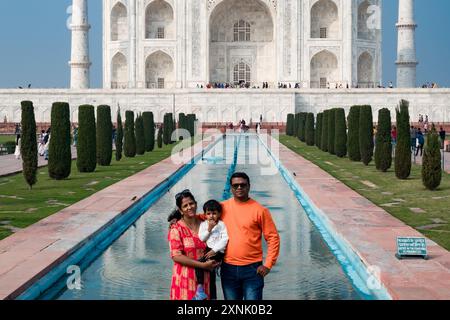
119	71
159	71
325	20
324	69
366	71
159	20
119	22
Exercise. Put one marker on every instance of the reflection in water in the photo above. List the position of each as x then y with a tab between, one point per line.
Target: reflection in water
138	265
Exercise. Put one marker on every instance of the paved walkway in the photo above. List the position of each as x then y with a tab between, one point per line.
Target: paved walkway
10	165
372	233
32	252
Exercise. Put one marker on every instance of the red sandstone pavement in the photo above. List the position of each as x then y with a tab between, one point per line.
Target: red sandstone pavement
30	253
372	232
10	165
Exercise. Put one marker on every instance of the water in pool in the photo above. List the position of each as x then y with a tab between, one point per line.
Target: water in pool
137	266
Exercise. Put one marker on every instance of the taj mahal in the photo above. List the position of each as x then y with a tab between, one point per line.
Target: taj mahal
227	60
180	44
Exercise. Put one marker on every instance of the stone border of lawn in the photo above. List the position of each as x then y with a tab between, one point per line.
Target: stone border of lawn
28	255
12	166
371	232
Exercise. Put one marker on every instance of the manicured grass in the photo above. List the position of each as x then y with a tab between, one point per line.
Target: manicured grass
402	195
20	207
6	138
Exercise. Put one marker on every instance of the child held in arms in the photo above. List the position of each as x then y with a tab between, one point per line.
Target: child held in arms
214	233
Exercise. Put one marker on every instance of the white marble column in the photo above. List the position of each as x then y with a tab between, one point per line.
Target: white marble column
406	52
132	48
79	63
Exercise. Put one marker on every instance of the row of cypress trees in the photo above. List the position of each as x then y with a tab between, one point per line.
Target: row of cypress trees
331	135
94	145
332	132
301	125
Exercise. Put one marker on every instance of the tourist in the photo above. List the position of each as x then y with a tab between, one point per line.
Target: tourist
41	144
114	135
75	136
420	142
413	135
243	271
391	85
47	144
17	132
374	137
394	135
17	151
214	232
442	135
186	249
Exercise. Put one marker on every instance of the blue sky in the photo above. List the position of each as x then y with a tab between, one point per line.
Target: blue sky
35	43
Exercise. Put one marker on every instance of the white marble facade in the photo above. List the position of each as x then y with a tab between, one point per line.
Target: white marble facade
184	43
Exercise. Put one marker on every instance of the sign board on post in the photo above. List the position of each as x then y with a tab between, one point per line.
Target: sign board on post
411	247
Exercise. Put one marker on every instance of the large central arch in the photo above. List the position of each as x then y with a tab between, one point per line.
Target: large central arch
242	32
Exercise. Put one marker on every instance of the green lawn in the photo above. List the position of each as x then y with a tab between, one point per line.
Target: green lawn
393	195
6	138
20	207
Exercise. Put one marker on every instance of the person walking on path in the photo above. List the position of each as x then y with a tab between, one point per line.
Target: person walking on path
421	142
17	151
243	270
442	135
75	136
413	134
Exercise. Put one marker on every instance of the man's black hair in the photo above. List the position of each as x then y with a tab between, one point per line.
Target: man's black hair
212	205
240	175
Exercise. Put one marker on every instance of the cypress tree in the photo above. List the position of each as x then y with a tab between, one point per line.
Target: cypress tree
119	137
149	131
140	135
28	144
167	124
104	136
431	165
298	127
403	147
366	134
191	124
354	154
59	153
309	128
181	123
340	136
324	138
302	127
383	146
331	130
296	124
130	138
290	125
86	145
319	130
160	137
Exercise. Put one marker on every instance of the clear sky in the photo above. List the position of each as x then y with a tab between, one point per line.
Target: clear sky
35	42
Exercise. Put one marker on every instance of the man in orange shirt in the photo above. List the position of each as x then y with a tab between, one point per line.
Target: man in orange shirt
243	270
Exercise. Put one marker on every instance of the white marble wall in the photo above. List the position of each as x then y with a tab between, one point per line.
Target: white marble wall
229	105
280	51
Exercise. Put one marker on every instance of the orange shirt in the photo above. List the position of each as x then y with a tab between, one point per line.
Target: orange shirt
246	223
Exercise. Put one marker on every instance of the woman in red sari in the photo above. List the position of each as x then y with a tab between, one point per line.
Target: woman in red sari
185	249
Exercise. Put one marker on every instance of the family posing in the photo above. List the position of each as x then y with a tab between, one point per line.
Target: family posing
227	234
